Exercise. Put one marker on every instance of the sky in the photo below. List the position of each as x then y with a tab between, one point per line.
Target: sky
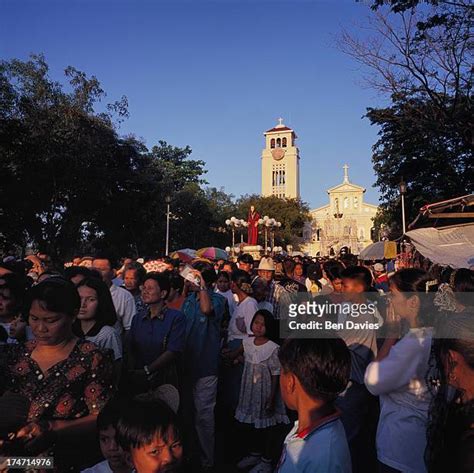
215	75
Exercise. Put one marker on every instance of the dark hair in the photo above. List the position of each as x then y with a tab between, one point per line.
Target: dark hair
74	271
162	279
105	314
141	272
314	273
208	273
239	276
321	365
110	414
246	258
454	332
112	261
176	281
333	270
463	286
232	265
223	274
414	280
17	286
271	324
57	294
289	266
141	422
360	274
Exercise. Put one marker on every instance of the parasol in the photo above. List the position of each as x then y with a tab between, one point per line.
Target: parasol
212	253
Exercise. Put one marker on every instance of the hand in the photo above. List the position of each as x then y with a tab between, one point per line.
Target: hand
198	274
36	437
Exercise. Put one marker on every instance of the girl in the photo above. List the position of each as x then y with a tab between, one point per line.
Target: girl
260	404
398	376
223	288
96	318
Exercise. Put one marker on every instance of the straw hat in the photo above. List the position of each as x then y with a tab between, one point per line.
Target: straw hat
266	264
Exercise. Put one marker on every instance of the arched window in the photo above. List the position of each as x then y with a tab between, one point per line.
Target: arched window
283	143
356	202
346	202
272	143
361	234
278	143
336	203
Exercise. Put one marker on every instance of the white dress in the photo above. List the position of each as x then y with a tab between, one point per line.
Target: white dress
261	363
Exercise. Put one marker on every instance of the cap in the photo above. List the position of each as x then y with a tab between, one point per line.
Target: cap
266	264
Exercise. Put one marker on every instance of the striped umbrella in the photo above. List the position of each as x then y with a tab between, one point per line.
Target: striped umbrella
213	253
186	255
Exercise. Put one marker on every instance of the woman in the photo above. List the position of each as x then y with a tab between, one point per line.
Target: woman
398	376
96	318
68	380
298	273
156	337
223	288
133	277
451	429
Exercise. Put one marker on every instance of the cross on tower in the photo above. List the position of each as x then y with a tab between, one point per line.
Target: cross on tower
346	173
280	121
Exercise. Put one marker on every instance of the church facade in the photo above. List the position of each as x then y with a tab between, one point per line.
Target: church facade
346	221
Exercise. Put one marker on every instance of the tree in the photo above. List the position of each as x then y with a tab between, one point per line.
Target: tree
422	59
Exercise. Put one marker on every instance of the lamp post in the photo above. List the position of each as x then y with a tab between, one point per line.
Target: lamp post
403	190
168	202
235	223
269	224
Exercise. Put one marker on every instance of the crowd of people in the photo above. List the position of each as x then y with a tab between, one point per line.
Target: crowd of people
126	367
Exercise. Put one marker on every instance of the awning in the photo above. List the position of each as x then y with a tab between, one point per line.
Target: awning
448	246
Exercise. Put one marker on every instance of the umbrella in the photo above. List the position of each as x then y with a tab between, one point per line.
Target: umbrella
379	250
212	253
186	255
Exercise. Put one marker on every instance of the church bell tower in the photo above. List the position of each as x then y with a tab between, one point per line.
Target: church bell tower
280	163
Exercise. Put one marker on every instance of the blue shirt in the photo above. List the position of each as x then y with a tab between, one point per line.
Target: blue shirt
147	335
203	336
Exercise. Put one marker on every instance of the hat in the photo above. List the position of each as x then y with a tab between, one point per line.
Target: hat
266	264
379	267
165	393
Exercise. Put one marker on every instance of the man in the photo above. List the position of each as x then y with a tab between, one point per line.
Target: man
204	312
124	302
246	262
288	281
260	294
380	277
277	295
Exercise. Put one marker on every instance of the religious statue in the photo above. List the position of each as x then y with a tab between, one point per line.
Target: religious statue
252	221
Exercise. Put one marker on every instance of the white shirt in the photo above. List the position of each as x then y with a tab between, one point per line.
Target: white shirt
241	320
229	295
124	304
399	380
102	467
108	338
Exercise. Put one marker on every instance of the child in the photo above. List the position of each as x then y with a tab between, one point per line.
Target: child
259	403
313	373
148	431
115	461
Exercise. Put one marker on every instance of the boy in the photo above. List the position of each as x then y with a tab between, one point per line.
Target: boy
313	373
115	460
148	431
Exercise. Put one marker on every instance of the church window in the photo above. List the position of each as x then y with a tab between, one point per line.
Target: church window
346	202
318	234
336	203
356	202
272	143
278	143
283	143
361	234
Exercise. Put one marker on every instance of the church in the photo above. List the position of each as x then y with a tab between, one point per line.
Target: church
346	221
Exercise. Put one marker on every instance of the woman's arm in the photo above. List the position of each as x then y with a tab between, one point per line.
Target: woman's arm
163	360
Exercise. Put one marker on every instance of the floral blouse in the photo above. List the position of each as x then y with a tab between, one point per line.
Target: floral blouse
75	387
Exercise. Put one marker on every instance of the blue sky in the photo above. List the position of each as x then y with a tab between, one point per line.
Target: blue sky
216	75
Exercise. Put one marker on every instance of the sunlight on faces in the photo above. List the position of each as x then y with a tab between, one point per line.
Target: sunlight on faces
151	292
131	279
110	448
49	328
265	274
299	270
403	306
223	284
258	326
160	456
89	303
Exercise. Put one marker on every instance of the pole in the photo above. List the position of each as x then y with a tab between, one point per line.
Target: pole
403	214
266	239
233	241
167	229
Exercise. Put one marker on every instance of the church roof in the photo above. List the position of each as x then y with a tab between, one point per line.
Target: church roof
346	184
278	129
